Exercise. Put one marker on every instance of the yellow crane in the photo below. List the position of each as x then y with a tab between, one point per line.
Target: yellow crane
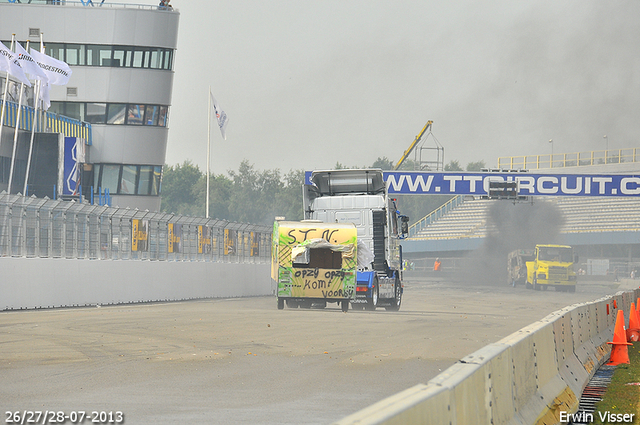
413	145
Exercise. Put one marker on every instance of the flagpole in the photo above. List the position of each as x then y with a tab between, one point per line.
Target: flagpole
4	102
15	134
208	151
36	100
4	95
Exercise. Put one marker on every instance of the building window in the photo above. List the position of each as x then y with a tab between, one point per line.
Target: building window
113	113
157	178
57	108
96	113
109	177
144	181
155	59
116	113
127	179
110	56
162	120
55	50
168	55
135	114
151	115
74	110
75	54
138	57
99	55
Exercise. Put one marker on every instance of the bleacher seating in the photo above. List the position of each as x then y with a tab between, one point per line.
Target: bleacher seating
581	215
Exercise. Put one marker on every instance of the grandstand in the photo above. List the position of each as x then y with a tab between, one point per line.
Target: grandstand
605	227
469	218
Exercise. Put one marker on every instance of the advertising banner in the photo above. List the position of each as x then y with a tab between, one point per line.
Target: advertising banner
426	183
254	240
230	237
175	238
73	156
204	240
139	235
467	183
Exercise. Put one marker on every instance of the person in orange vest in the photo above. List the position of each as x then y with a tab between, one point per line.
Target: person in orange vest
436	265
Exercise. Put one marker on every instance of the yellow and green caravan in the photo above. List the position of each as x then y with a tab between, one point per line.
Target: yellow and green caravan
314	263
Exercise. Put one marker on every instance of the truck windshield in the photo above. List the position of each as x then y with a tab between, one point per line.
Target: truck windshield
564	255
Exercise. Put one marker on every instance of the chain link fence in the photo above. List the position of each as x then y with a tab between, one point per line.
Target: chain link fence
44	228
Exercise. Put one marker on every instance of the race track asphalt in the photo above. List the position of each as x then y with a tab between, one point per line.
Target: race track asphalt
242	361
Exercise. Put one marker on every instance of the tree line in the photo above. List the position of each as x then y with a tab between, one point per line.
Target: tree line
253	196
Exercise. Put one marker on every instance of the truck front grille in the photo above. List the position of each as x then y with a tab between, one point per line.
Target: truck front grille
556	272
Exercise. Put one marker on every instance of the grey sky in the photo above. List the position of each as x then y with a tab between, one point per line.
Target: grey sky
310	83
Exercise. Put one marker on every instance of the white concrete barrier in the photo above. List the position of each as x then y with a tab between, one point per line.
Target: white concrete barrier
49	282
529	377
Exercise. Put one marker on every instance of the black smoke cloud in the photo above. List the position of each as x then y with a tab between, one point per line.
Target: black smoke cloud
512	226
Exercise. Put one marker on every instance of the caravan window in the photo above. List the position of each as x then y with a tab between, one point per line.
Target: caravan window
321	258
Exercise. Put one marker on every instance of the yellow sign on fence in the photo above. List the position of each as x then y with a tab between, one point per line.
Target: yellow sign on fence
139	235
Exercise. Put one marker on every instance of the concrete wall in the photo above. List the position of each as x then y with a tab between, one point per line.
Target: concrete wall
529	377
52	282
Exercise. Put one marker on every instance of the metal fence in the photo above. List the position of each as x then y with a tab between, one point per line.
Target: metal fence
574	159
44	228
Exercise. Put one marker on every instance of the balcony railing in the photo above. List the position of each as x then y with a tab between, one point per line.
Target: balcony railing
575	159
45	122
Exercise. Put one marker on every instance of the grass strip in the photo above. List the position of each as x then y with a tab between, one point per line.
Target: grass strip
623	394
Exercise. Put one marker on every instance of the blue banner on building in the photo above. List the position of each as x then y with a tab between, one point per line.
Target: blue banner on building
73	156
426	183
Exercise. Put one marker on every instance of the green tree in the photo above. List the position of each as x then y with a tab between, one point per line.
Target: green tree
288	202
247	195
219	192
476	166
453	166
180	193
339	166
409	165
259	196
383	163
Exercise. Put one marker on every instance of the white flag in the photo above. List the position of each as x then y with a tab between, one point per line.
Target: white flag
44	95
57	71
9	63
221	116
29	65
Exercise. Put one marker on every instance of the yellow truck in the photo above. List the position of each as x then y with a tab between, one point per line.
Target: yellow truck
552	265
314	263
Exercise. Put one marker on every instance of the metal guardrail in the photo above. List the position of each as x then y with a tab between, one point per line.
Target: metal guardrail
44	228
46	122
416	227
575	159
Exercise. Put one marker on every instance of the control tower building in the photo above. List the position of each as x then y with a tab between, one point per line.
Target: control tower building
122	58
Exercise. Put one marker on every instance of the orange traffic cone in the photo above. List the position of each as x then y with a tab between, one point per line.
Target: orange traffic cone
619	351
633	333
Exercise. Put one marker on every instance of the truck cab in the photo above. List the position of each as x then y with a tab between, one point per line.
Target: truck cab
359	196
552	265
